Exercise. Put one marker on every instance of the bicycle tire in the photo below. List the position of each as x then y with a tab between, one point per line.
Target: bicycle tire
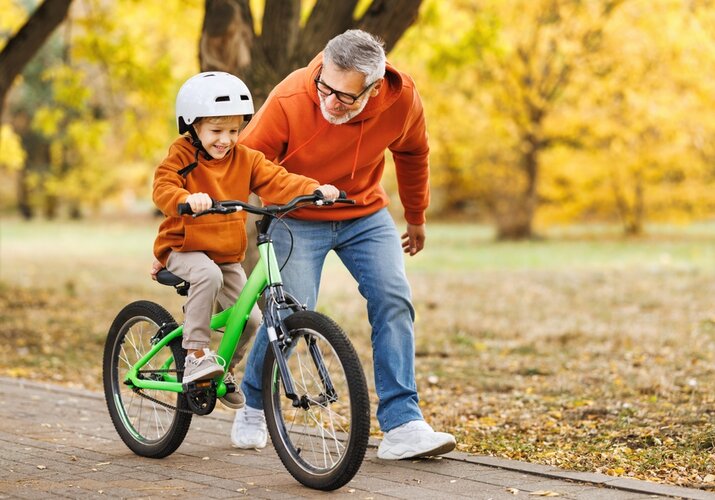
148	428
323	445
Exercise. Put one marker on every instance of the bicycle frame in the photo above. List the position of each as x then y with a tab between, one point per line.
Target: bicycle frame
265	274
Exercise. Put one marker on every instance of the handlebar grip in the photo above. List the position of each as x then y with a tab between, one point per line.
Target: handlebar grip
185	209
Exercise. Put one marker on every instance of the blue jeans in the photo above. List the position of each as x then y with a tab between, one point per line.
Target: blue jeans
370	249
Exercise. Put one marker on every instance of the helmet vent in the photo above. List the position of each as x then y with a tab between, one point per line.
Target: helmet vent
223	98
244	97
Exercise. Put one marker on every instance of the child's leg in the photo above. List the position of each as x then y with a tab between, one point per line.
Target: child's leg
206	280
234	279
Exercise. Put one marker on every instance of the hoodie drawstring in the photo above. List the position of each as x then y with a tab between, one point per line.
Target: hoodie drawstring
287	157
357	150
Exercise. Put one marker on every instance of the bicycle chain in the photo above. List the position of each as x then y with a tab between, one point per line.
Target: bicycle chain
154	400
161	403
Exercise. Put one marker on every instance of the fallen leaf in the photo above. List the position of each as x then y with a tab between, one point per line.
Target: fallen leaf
513	491
545	493
41	467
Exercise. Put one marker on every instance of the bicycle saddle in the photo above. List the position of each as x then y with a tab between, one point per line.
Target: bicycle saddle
166	277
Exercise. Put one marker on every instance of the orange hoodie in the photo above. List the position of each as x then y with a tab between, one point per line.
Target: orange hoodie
290	129
242	170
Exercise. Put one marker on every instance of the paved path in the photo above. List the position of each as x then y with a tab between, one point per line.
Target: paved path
60	443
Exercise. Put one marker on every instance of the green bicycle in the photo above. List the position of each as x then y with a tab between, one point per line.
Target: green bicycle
314	391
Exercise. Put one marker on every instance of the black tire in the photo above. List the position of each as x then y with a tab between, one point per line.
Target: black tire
147	428
323	445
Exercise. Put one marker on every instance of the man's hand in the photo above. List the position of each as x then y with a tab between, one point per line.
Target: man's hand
413	240
329	191
155	268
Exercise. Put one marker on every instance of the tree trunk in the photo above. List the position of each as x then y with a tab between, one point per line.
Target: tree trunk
21	48
229	43
517	223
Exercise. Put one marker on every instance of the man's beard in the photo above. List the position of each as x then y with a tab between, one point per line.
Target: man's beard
349	115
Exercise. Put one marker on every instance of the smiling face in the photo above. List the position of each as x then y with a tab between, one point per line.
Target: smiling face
334	81
218	134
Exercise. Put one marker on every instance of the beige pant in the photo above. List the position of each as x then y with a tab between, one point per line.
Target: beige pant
211	283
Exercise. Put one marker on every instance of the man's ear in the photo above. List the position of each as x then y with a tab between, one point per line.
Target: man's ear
376	88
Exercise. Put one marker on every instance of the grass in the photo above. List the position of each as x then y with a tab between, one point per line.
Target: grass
581	350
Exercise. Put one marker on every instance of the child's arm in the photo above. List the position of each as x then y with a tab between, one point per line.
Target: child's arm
168	190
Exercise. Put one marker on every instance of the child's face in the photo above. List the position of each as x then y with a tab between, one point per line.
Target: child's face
218	137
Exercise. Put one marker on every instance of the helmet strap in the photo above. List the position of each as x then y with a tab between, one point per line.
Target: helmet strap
195	142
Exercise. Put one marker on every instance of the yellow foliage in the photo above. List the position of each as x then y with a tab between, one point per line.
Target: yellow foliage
613	107
12	155
13	17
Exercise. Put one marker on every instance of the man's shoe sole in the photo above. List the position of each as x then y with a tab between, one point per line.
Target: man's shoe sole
440	450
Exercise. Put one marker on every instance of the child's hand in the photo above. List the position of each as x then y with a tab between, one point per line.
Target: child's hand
329	191
155	268
199	202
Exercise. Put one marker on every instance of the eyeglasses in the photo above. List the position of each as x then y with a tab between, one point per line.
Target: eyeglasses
349	99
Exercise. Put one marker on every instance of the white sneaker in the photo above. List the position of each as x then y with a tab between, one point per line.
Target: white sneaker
203	368
414	439
249	429
236	399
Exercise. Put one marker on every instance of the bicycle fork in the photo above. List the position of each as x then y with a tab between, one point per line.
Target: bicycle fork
280	342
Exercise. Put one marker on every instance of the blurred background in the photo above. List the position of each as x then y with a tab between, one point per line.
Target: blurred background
540	112
564	298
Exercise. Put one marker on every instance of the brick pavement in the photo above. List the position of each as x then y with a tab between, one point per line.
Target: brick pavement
57	442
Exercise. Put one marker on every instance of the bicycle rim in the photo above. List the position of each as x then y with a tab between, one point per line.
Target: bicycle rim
149	428
323	442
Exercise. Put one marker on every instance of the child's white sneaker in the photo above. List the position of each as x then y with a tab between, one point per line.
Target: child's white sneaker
203	368
249	429
414	439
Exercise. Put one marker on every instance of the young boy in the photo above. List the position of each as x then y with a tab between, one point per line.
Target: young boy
206	163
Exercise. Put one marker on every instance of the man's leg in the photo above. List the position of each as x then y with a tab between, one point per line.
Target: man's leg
370	248
308	247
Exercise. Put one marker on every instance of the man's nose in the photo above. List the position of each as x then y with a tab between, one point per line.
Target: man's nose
333	102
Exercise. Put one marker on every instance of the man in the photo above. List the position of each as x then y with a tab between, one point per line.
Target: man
333	121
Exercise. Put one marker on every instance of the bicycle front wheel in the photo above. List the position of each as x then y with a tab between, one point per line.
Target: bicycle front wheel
321	441
156	425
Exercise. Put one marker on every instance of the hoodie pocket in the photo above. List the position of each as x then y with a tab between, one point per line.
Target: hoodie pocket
225	237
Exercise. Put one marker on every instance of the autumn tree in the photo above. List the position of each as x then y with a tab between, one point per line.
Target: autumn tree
22	46
86	108
289	38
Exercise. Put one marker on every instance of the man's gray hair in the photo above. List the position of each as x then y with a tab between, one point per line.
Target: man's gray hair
357	50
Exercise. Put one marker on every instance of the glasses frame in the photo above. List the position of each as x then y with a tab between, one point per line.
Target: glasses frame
339	95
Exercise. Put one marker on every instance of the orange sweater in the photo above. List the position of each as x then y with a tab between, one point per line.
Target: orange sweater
242	170
289	128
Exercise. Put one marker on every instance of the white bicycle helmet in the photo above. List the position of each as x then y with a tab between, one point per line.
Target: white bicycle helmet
212	93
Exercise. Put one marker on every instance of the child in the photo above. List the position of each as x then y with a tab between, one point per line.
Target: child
206	251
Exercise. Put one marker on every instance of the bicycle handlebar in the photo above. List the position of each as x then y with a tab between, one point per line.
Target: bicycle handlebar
231	206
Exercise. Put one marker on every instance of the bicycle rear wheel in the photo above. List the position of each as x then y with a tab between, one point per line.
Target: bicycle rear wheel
149	428
322	442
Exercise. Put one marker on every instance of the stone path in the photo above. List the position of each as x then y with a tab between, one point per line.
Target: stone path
57	442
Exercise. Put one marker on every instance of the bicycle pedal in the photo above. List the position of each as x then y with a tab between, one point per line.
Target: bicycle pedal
199	385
